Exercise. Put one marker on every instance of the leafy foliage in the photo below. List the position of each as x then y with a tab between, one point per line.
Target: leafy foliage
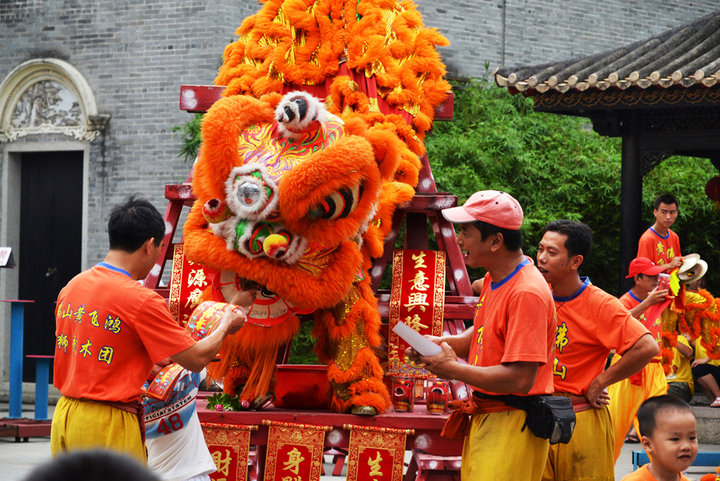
558	168
301	351
224	402
190	139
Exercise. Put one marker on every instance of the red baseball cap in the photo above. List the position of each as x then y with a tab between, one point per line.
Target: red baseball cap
643	265
494	207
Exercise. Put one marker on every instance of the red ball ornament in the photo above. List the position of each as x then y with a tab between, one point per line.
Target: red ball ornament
712	188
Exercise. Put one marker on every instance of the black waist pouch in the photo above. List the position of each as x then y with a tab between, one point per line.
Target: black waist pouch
547	417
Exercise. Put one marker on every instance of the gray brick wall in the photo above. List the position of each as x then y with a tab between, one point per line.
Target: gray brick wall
135	55
526	32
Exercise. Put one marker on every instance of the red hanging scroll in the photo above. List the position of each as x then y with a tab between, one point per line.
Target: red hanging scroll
417	299
294	451
187	284
376	454
229	445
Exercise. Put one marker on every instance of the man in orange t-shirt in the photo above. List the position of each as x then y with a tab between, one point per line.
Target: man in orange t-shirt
509	347
659	243
110	331
590	323
627	395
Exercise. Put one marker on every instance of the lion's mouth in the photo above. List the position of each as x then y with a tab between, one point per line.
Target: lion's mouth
268	309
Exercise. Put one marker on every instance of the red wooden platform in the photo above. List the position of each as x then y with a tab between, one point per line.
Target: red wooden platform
434	458
22	429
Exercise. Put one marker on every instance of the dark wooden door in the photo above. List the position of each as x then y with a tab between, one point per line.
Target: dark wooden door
50	242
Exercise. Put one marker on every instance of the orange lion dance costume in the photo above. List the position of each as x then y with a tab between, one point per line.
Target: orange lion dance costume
296	194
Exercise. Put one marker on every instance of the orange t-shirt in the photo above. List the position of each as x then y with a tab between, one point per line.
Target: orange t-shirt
515	322
643	474
630	301
590	323
661	250
110	331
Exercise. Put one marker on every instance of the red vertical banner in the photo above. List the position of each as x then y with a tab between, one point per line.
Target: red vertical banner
187	284
417	298
376	454
294	451
229	446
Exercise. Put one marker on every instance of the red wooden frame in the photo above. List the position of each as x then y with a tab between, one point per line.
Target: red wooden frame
433	458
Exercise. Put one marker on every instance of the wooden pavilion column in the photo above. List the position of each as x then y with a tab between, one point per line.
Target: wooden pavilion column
630	193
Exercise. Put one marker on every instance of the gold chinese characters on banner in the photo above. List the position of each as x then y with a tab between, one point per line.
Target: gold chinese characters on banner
294	451
417	298
229	446
376	454
187	284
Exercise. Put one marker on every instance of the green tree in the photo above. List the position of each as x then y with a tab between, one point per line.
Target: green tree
558	167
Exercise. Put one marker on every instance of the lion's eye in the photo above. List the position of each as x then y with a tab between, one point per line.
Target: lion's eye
337	205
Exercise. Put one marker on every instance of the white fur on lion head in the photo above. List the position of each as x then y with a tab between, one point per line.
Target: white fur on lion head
299	112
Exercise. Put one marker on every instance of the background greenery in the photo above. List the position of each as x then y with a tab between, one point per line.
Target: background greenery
557	167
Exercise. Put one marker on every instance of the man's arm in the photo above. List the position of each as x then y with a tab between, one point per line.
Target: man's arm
634	359
513	377
685	350
655	297
197	356
460	343
673	264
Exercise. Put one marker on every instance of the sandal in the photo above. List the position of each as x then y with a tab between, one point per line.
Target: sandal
715	403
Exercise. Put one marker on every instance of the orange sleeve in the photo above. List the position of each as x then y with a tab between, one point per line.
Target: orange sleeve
646	247
627	301
620	330
158	331
527	315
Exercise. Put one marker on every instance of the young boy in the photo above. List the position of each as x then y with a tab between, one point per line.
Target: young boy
659	243
669	437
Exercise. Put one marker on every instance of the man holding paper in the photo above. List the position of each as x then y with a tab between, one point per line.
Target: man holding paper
509	348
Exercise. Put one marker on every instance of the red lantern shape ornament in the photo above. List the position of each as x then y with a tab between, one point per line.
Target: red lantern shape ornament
712	190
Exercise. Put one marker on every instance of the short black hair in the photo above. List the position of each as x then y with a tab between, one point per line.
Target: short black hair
649	409
511	238
578	236
132	223
91	465
665	199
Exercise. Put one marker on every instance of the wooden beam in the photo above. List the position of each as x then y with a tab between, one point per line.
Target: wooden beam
630	194
715	162
199	98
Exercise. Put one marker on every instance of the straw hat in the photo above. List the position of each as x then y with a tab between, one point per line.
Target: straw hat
692	269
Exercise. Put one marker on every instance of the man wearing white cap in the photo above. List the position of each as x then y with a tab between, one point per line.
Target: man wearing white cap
509	348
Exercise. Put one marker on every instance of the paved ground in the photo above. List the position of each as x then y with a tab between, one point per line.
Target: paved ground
18	459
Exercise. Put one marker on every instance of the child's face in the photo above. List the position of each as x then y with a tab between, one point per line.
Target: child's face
673	446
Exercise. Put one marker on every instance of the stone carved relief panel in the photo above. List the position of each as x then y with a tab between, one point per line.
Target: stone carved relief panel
48	96
46	103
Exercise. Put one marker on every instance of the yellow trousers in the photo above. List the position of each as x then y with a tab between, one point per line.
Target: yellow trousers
589	454
626	398
82	424
497	449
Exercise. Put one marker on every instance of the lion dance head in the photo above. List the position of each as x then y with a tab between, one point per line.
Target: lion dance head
304	160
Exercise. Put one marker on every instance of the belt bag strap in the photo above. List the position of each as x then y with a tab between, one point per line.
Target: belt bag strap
548	417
